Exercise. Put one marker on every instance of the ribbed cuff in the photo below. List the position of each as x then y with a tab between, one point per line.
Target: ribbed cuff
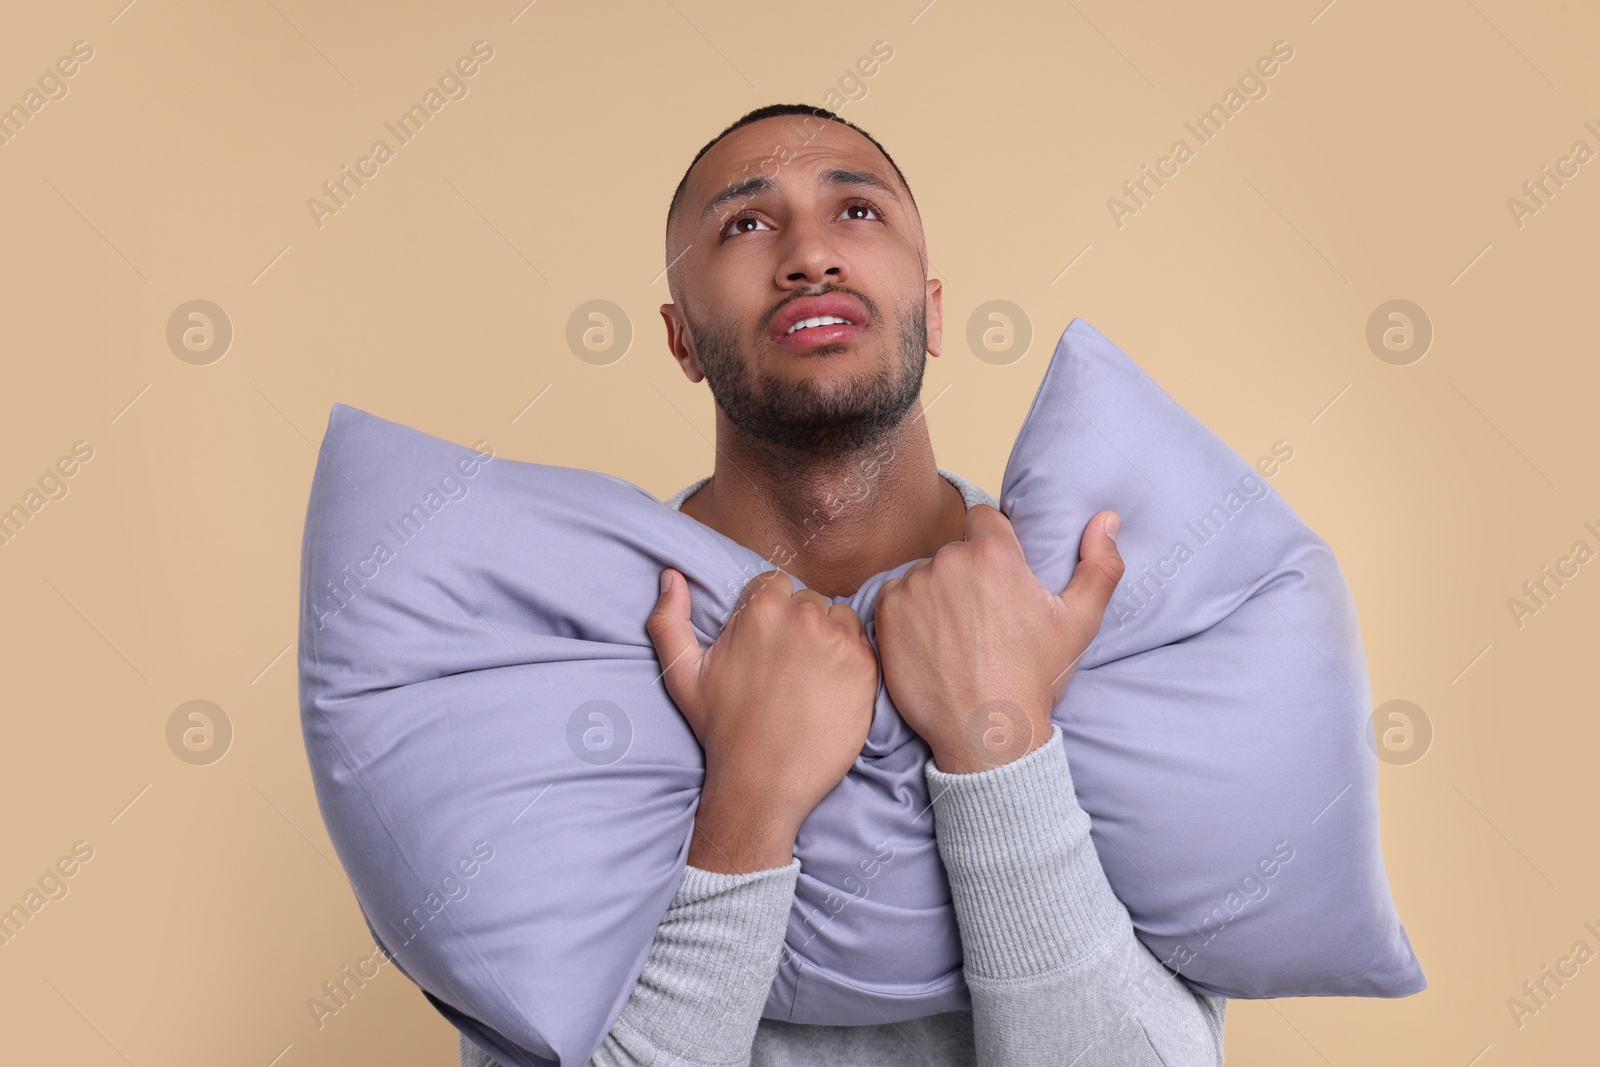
1030	895
702	991
699	884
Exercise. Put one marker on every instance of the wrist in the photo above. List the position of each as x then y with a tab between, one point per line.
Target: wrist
984	745
736	833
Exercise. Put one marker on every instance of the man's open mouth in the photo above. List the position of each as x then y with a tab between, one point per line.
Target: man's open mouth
820	320
826	330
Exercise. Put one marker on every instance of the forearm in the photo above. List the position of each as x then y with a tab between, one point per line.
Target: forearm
1052	961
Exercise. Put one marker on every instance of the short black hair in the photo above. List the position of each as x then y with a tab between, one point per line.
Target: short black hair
767	112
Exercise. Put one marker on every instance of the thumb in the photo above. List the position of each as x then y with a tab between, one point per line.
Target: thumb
674	639
1099	569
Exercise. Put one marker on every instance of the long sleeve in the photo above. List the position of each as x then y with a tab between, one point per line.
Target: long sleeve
700	995
1056	972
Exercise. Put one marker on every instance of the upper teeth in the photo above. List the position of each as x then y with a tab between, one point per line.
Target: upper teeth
820	320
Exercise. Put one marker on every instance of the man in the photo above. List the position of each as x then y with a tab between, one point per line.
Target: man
798	268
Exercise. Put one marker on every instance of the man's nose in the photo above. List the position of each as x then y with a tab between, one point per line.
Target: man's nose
811	258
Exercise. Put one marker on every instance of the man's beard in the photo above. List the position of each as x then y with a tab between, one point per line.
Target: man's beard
799	418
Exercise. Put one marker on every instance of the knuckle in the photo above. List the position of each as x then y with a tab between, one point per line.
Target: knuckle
809	608
1113	568
759	585
988	553
763	609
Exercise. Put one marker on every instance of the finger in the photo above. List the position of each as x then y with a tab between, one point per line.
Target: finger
763	584
674	638
774	580
892	582
985	521
1099	568
811	596
846	616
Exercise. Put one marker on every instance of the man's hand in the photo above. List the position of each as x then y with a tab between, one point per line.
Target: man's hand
976	653
781	702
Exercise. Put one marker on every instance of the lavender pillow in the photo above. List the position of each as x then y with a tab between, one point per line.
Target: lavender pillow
512	792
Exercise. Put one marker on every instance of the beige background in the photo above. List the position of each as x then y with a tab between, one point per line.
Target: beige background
179	165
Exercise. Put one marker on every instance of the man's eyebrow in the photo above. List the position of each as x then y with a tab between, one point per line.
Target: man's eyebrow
751	187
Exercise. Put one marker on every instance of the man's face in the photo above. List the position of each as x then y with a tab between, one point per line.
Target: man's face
819	226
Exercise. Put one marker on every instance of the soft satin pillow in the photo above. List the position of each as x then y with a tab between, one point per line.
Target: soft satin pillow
512	792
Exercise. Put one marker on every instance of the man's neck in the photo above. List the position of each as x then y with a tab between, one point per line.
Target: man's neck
832	523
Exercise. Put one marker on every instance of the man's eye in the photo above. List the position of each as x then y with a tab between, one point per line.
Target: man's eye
737	220
864	205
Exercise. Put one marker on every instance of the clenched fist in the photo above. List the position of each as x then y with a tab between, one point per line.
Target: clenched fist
781	703
976	653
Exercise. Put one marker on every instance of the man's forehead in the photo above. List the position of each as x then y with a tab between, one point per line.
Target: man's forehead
785	153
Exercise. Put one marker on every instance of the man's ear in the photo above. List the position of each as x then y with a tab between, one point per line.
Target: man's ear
935	316
680	343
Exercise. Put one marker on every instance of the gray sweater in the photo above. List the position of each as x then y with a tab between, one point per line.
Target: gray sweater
1056	973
